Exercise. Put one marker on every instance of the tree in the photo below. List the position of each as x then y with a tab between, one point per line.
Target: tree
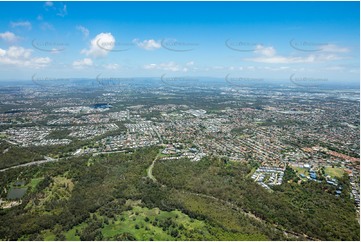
60	237
125	237
174	233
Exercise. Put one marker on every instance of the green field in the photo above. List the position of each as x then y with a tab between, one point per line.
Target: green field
145	224
335	172
301	170
34	182
152	224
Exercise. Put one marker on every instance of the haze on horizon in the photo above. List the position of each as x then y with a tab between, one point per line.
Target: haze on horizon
123	39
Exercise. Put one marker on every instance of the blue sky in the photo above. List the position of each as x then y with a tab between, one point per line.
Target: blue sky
269	40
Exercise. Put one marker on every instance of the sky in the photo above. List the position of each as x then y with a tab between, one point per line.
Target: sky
268	40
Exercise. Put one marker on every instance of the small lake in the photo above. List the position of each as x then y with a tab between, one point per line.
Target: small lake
16	193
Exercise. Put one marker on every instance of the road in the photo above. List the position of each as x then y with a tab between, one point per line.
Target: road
288	233
38	162
49	159
150	169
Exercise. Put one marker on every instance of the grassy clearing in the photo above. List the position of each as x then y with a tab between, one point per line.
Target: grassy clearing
301	170
70	235
34	182
334	172
136	226
59	189
145	224
152	224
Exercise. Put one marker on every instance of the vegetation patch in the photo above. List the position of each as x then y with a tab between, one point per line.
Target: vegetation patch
335	172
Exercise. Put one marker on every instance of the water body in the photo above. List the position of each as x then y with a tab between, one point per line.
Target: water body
16	193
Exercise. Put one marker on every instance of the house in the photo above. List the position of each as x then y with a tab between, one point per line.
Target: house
313	175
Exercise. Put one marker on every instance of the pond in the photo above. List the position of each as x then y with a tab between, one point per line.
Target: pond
16	193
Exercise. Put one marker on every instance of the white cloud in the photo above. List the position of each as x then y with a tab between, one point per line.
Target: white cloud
41	61
46	26
147	44
268	55
150	66
86	62
334	48
24	24
281	68
83	30
265	51
62	11
100	45
49	4
9	37
2	52
18	52
111	66
168	66
335	68
21	57
282	59
40	17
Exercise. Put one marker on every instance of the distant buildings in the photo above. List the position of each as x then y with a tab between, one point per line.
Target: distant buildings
268	176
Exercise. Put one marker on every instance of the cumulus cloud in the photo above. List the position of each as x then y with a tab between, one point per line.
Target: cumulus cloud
147	44
21	57
100	45
83	30
23	24
80	64
18	52
8	37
